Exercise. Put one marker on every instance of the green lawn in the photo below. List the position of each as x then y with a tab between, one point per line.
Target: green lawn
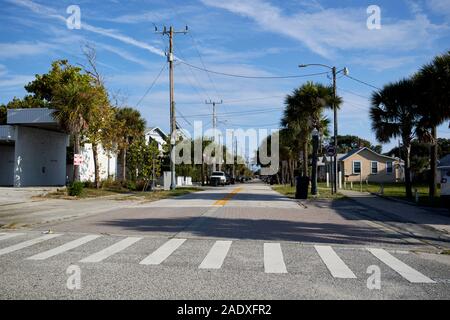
324	192
397	190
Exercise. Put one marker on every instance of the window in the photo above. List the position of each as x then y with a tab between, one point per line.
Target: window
356	167
374	167
389	167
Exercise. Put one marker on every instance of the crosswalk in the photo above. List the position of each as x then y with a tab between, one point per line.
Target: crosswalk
272	253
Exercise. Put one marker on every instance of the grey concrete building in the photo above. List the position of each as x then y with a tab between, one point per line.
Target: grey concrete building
32	149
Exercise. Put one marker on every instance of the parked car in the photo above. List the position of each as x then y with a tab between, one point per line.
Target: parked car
230	179
218	178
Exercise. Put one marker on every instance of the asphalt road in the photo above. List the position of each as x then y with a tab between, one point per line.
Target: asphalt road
237	242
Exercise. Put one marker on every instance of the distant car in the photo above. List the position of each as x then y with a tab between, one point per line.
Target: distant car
230	179
218	178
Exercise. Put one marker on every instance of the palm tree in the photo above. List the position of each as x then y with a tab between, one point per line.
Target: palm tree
304	111
130	125
394	113
433	84
72	102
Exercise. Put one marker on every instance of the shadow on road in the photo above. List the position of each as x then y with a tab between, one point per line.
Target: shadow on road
262	229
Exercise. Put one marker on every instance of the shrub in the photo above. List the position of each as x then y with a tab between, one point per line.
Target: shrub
131	185
76	189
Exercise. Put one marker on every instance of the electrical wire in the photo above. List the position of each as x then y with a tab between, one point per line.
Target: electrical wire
362	82
253	77
152	85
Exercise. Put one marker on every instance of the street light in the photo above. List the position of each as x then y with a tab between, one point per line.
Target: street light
315	140
334	70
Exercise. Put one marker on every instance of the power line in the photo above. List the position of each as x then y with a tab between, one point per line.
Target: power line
247	112
353	93
252	77
233	101
363	82
151	86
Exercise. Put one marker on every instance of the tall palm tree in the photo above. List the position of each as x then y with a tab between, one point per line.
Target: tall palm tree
433	84
394	113
130	125
304	111
72	102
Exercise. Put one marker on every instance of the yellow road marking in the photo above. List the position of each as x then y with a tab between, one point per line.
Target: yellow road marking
227	198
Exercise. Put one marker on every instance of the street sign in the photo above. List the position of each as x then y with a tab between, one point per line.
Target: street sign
77	159
331	151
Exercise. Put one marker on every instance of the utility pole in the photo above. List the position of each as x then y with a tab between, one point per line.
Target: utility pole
214	121
335	165
173	128
235	157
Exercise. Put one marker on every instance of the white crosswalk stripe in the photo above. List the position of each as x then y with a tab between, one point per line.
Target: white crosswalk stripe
111	250
216	255
163	252
273	255
27	243
334	263
273	258
400	267
65	247
4	236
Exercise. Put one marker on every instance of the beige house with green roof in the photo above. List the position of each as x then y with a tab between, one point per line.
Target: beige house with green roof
367	165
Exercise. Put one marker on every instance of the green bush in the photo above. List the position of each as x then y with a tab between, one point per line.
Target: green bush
112	184
131	185
75	189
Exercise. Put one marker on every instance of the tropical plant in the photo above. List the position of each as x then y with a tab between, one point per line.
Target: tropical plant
129	126
433	86
303	112
394	113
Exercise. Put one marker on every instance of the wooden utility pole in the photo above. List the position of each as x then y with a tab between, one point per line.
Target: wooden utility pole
335	164
173	127
214	122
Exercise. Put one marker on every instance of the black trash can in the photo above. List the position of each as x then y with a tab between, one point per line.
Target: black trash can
301	191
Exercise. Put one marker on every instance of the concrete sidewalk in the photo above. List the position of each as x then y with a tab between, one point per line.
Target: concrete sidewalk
428	217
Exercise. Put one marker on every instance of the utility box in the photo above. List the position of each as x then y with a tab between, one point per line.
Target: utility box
167	178
301	188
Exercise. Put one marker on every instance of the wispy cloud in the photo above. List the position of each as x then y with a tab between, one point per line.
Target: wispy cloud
110	33
19	49
441	7
328	30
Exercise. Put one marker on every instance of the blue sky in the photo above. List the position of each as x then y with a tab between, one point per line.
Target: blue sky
253	38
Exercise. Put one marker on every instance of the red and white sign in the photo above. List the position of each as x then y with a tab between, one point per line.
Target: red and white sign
77	159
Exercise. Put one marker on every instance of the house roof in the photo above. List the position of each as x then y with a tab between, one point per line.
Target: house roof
339	156
356	151
158	130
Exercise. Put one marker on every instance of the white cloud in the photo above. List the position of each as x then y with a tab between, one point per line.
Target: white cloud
50	12
19	49
328	30
441	7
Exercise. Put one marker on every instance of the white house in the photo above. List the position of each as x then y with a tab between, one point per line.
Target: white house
107	164
156	134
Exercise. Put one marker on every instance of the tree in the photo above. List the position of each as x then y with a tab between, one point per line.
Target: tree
143	161
129	126
67	90
349	142
433	84
304	111
394	113
100	115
